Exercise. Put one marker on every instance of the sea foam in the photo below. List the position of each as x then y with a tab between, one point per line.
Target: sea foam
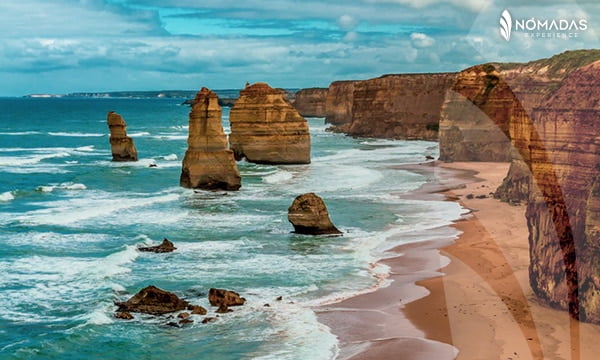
6	196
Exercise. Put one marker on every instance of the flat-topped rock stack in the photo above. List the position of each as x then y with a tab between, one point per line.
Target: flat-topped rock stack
208	163
266	129
121	145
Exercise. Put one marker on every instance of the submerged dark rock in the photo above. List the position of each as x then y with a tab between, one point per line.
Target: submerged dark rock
197	310
219	297
124	315
165	247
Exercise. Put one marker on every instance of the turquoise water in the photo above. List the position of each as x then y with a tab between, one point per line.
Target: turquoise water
71	220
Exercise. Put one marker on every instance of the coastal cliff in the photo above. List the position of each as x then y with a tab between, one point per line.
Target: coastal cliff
208	163
311	102
121	145
403	106
338	103
532	83
266	129
476	115
564	207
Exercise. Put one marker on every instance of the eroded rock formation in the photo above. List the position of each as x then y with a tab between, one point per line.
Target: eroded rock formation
563	209
152	300
266	129
121	145
308	214
221	297
339	101
476	117
208	163
406	106
311	102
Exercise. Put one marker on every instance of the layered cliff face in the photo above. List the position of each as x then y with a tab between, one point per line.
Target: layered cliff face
311	102
563	209
477	110
404	106
208	163
121	145
339	101
532	83
476	117
266	129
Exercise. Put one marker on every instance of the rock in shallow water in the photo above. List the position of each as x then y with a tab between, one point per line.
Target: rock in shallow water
266	129
152	300
165	247
208	163
309	216
124	316
121	145
220	297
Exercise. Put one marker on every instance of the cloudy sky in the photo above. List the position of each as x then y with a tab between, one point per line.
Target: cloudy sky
61	46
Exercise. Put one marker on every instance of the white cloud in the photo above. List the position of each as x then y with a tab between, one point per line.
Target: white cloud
347	22
421	40
473	5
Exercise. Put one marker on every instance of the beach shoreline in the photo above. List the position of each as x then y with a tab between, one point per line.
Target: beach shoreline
464	298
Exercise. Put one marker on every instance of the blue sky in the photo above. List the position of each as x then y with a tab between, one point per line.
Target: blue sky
62	46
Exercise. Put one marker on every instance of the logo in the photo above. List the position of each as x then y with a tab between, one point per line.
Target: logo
541	28
506	25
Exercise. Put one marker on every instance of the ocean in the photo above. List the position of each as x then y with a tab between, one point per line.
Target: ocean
71	221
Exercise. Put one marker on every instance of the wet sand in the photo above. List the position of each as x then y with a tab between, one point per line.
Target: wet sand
464	299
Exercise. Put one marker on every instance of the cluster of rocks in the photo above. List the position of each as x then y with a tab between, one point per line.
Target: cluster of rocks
154	301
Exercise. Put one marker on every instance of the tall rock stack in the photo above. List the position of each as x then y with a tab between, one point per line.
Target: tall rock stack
121	145
208	163
266	129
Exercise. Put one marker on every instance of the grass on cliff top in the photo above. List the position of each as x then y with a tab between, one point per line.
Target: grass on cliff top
560	64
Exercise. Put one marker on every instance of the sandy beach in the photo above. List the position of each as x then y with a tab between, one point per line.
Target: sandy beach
464	299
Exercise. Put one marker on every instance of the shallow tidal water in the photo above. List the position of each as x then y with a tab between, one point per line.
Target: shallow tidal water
71	220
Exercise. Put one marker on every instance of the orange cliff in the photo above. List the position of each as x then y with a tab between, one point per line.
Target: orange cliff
266	129
121	145
489	108
208	163
310	102
405	106
339	101
555	163
564	204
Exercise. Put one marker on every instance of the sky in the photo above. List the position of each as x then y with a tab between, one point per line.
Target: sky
64	46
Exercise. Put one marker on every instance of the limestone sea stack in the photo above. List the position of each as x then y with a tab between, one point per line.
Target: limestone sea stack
208	163
266	129
121	145
309	216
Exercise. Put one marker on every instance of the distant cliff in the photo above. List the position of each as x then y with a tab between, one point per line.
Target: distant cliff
405	106
338	103
311	102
